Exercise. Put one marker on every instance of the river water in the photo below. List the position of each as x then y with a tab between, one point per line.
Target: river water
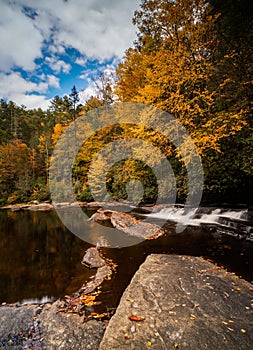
40	258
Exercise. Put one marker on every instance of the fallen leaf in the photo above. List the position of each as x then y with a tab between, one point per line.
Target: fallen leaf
98	316
136	318
127	336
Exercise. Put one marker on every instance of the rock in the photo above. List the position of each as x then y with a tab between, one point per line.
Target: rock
16	323
128	224
182	302
58	205
134	227
100	215
41	206
102	273
102	242
34	202
92	258
69	331
15	208
35	327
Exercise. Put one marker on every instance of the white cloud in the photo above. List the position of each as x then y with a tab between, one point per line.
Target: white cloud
30	29
97	29
81	61
32	101
101	29
90	91
53	81
20	41
58	65
14	87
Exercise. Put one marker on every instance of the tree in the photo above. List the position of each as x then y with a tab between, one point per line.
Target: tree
16	165
182	64
73	100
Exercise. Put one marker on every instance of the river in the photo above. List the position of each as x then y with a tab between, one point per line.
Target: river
40	258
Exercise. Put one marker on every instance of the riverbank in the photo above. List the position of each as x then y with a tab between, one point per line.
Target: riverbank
172	302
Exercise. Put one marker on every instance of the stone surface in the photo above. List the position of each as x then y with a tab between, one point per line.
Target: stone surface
182	302
128	224
69	331
92	258
56	330
16	323
134	227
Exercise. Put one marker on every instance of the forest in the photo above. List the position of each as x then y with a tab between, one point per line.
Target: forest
192	59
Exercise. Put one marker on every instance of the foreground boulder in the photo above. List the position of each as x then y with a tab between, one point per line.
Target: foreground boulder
43	327
182	302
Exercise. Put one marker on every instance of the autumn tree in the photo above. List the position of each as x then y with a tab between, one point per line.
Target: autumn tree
17	167
183	65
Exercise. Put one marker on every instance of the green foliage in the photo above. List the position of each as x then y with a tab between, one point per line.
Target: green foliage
85	195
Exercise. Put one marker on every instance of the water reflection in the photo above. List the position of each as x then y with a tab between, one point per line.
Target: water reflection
40	258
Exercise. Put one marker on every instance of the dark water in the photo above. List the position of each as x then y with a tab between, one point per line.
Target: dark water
40	258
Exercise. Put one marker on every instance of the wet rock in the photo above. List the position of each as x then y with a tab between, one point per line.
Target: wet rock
40	207
92	258
102	273
102	242
76	303
100	215
182	302
134	227
128	224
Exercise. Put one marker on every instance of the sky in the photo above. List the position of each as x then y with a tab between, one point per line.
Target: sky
48	46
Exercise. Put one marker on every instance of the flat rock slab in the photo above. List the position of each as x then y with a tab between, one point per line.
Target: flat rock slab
68	331
56	331
182	302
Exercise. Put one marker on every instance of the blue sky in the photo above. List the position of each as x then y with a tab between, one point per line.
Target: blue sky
49	46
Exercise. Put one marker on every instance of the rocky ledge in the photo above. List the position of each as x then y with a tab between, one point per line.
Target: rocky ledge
172	302
182	302
128	224
43	327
